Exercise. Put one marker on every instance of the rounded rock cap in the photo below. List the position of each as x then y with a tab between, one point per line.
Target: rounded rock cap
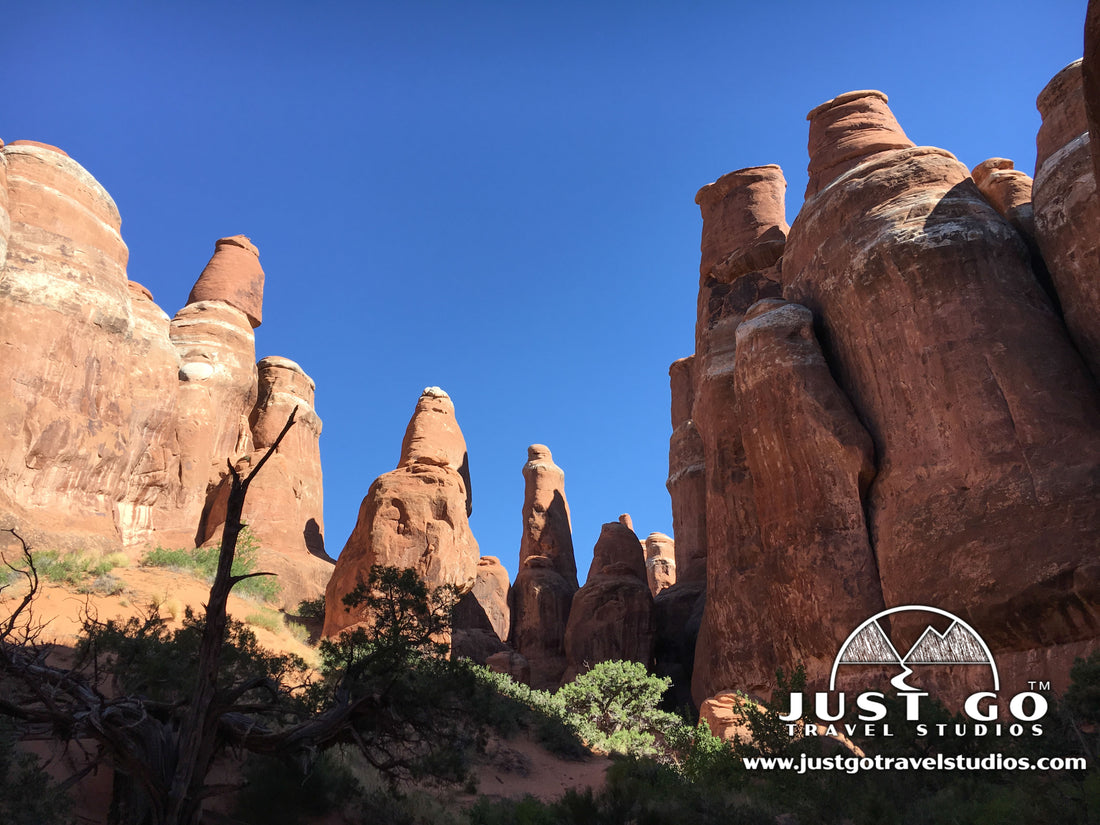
234	276
39	144
847	129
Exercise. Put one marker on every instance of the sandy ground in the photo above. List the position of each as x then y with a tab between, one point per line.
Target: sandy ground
510	768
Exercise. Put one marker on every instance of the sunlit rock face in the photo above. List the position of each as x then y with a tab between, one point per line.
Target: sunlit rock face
612	614
284	508
86	419
120	424
414	516
900	415
660	562
1067	208
744	232
542	594
985	422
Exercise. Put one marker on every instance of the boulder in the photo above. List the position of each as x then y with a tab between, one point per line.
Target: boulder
233	275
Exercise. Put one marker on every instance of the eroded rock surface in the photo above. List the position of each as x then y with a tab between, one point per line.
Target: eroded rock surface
612	614
415	516
542	593
1067	208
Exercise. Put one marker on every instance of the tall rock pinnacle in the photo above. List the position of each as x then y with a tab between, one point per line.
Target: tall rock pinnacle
414	516
542	594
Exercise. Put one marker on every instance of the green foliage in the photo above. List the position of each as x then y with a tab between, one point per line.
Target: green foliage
768	734
508	707
614	707
312	608
277	793
72	569
28	796
145	658
269	620
203	563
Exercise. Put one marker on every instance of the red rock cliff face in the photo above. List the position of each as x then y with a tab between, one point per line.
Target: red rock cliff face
414	516
285	501
612	615
744	231
69	414
119	421
1067	208
985	422
939	447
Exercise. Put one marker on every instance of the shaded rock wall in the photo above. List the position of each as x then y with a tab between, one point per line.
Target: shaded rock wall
612	614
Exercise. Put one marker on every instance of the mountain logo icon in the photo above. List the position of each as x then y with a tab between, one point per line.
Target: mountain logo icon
959	644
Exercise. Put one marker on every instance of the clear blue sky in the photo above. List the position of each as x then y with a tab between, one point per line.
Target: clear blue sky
492	197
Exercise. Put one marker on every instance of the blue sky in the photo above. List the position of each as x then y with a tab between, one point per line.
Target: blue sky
493	197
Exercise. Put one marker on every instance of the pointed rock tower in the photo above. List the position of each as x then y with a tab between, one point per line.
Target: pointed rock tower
542	594
414	516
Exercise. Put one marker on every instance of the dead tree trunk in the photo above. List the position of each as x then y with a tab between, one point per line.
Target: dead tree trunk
198	736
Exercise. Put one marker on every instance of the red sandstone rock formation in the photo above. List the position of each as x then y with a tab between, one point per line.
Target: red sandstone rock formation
71	419
541	596
284	509
118	423
1067	208
660	562
233	275
1090	70
811	462
414	516
742	241
686	479
612	614
481	619
986	425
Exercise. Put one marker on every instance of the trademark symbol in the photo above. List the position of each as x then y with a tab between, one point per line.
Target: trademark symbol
1038	685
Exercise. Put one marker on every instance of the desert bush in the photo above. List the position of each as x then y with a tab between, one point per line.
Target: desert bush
203	563
312	608
28	795
614	707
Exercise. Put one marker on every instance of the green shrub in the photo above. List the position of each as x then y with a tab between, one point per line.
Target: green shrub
28	796
73	568
312	608
614	707
276	793
267	619
203	562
